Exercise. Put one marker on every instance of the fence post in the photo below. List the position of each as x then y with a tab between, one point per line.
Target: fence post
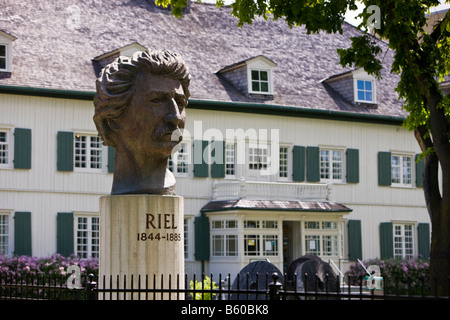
91	287
274	287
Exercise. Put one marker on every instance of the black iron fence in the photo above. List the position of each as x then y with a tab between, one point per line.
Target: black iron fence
247	287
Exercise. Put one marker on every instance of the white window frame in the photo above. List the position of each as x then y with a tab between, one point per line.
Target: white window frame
6	235
258	157
401	168
174	159
364	90
230	160
9	148
186	238
331	162
268	81
361	75
286	174
90	236
316	237
260	64
7	56
404	240
263	236
102	149
223	231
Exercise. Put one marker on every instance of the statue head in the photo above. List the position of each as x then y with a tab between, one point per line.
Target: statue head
118	82
140	111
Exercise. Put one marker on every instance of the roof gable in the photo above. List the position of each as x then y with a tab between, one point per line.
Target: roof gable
127	50
7	36
259	61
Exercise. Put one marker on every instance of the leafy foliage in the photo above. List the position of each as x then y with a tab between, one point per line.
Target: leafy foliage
206	284
400	276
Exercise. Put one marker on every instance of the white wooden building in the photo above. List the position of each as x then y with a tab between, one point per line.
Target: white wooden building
316	160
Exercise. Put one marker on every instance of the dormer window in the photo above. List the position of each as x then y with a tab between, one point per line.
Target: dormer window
364	91
253	77
2	57
6	41
356	87
259	81
364	87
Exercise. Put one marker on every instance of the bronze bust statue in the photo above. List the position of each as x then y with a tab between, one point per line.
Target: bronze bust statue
140	111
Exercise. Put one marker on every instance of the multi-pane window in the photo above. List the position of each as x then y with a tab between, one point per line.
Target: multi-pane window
401	170
331	165
258	159
364	90
88	152
4	148
87	236
224	238
283	169
322	238
403	241
261	241
2	57
4	234
179	161
186	238
224	245
251	245
224	224
270	245
230	159
260	81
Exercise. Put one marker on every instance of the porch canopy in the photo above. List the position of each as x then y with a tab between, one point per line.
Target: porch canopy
277	205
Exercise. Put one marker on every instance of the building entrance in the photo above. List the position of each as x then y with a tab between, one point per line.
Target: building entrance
292	248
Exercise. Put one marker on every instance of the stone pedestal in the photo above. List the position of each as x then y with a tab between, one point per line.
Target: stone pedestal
140	236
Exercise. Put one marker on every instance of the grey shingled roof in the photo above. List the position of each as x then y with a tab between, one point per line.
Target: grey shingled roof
50	53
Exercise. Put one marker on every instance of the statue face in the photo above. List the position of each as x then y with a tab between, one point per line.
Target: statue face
155	116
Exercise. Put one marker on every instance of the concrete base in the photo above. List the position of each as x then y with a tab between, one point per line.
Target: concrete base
140	236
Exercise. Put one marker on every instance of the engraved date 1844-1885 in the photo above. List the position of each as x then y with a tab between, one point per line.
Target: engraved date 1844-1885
163	222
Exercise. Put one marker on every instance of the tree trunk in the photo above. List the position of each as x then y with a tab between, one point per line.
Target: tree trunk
440	253
437	199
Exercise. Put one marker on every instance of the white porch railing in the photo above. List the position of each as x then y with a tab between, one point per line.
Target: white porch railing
242	189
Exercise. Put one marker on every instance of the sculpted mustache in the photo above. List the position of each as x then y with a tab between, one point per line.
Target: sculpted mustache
176	133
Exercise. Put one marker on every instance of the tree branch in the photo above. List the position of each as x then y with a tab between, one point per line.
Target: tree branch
431	190
436	33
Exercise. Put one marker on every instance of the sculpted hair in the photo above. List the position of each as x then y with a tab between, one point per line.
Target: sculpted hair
115	85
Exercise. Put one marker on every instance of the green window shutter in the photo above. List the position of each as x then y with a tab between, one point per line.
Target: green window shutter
352	160
423	234
298	163
65	233
354	240
384	168
218	159
312	164
111	159
65	151
22	148
201	229
22	233
419	172
386	240
200	165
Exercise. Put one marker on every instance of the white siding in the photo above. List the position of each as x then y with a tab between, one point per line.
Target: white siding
44	191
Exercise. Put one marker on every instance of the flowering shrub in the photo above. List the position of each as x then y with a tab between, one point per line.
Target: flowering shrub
400	276
54	266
